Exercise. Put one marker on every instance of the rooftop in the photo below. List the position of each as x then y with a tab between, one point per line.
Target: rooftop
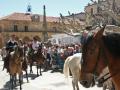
27	17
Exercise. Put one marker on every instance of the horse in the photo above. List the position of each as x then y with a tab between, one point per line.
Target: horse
15	66
38	58
72	63
99	51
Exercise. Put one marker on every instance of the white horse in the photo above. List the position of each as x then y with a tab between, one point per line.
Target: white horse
72	63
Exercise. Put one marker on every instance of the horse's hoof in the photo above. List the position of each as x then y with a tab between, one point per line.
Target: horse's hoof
40	74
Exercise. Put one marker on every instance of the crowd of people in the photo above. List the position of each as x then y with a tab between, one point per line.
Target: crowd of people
55	54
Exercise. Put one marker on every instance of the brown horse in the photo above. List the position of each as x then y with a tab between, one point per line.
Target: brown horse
37	58
100	51
15	66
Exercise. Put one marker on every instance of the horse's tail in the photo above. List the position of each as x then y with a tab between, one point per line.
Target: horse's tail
66	67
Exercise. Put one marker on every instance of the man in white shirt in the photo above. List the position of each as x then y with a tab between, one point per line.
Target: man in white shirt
35	45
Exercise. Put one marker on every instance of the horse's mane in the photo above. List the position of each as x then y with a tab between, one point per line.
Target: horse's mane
88	39
112	42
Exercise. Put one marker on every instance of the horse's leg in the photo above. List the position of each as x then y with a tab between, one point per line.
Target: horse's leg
37	70
77	85
73	84
45	65
22	78
31	71
11	82
14	79
40	70
20	81
27	76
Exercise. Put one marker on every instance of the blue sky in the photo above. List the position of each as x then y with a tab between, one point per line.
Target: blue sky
53	7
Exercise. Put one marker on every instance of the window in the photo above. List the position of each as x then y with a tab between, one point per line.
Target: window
35	18
26	28
15	28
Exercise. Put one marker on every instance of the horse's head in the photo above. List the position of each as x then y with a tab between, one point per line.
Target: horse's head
91	60
19	51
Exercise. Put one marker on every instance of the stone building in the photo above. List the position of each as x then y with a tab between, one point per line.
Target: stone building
24	24
102	11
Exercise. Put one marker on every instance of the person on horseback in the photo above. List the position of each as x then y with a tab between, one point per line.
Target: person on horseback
11	43
35	45
9	48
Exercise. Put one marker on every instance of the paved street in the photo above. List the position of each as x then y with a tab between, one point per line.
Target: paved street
49	81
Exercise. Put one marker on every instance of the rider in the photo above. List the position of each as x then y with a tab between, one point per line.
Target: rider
35	45
11	43
9	48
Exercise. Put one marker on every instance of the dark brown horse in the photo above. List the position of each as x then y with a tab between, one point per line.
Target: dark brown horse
37	58
100	51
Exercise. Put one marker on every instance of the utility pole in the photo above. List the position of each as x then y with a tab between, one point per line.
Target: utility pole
45	34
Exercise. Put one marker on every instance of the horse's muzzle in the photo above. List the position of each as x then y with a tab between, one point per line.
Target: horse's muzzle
85	84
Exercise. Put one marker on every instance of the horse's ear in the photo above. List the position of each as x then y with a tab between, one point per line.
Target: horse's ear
100	32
